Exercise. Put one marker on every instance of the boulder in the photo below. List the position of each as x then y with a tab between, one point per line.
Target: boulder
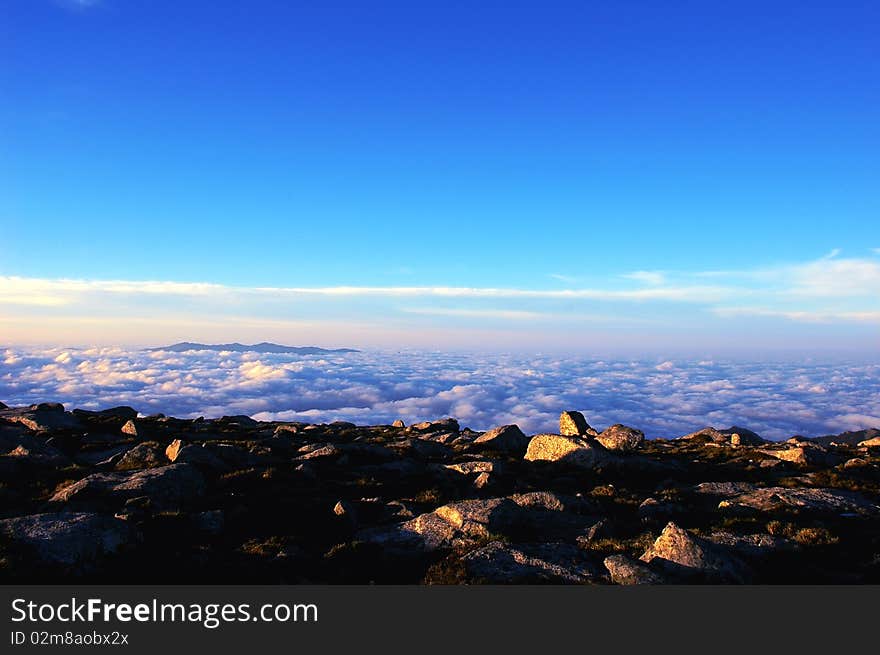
870	443
574	451
803	455
743	436
680	552
734	435
627	571
556	563
621	439
480	518
148	454
472	466
44	417
73	540
173	449
573	424
724	489
445	425
751	546
507	438
166	486
705	435
774	499
129	427
398	424
17	441
201	456
121	412
468	521
325	451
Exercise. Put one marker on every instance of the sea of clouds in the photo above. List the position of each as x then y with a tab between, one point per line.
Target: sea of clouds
662	398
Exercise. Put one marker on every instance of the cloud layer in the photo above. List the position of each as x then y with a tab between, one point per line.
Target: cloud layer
663	398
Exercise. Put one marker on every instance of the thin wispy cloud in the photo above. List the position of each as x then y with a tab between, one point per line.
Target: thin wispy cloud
78	5
654	278
830	289
510	314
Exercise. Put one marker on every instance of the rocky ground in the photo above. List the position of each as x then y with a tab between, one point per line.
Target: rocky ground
113	497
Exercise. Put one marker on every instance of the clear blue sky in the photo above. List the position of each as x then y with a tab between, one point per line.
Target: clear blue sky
532	146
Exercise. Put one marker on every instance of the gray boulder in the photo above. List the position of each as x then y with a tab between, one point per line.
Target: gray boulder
621	439
43	417
627	571
148	454
680	552
774	499
507	438
573	424
574	451
166	486
78	540
548	563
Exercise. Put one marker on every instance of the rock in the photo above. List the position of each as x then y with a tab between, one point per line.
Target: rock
574	451
724	489
445	425
507	438
849	438
870	443
239	421
620	438
573	424
627	571
74	540
548	500
753	546
326	451
482	481
804	455
398	424
342	425
167	486
706	435
121	412
855	462
173	449
203	456
472	466
480	518
774	499
734	435
467	521
680	552
743	436
130	427
18	442
343	508
145	455
44	417
101	457
501	563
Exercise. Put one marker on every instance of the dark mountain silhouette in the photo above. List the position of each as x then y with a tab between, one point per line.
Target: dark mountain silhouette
264	347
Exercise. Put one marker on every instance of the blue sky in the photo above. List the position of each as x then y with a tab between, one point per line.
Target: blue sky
622	174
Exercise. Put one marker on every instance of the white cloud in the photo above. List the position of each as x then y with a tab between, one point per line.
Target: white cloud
817	316
654	278
666	400
508	314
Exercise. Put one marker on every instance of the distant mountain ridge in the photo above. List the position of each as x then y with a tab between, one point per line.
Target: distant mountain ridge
264	347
